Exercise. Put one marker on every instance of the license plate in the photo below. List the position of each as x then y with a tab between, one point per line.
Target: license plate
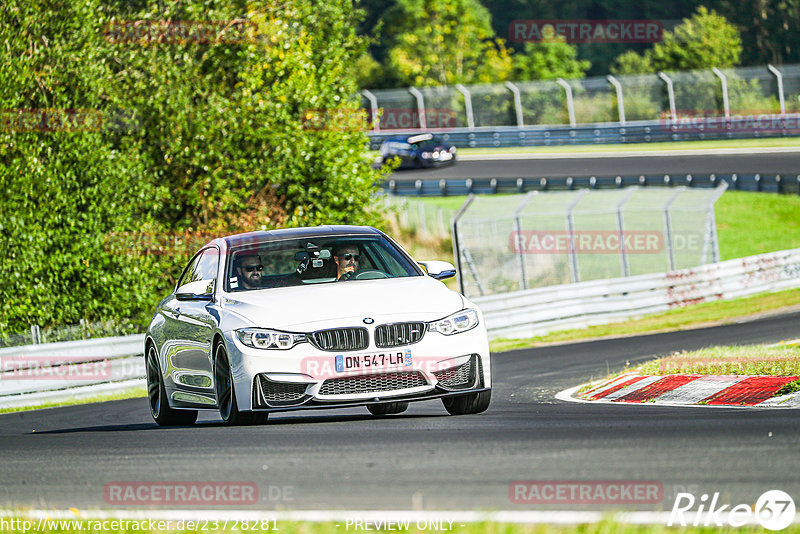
380	360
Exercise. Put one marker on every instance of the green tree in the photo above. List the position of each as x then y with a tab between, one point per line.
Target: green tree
548	61
632	63
369	72
226	136
770	28
702	41
443	43
705	40
68	183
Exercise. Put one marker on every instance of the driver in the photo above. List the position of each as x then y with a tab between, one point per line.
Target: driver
346	258
248	270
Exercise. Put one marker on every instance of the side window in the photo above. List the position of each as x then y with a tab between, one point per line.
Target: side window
203	267
208	264
187	273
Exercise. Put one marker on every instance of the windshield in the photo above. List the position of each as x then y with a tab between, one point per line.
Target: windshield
306	261
429	145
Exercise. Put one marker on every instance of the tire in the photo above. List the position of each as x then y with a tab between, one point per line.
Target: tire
389	408
160	409
467	404
226	393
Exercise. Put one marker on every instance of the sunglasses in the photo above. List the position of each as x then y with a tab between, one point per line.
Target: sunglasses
251	268
354	257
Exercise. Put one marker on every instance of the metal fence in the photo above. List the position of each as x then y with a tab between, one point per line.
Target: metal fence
423	218
667	96
665	106
504	244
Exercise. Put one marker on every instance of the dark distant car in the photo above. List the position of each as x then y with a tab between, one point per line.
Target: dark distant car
418	151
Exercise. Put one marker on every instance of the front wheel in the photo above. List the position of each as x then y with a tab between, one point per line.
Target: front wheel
469	403
226	394
160	409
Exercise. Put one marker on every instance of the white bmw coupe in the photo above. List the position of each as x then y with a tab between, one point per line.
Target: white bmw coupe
309	318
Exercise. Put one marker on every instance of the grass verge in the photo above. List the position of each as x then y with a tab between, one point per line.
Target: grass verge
698	315
755	223
132	393
780	360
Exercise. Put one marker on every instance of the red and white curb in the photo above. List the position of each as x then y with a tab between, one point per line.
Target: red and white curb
687	390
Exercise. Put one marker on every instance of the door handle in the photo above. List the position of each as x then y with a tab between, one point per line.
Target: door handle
177	311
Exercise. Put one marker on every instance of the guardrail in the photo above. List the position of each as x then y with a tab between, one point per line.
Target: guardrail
539	311
33	374
652	131
53	372
767	182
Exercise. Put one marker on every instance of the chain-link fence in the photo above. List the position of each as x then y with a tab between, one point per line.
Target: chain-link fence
670	96
423	218
516	242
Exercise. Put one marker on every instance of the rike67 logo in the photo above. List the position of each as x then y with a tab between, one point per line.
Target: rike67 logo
774	510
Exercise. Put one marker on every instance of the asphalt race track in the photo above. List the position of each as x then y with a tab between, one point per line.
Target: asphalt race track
346	459
587	165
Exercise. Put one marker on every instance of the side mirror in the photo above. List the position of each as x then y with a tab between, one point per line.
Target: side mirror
440	270
199	290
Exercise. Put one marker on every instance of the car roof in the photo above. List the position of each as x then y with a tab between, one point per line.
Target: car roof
421	137
292	233
411	139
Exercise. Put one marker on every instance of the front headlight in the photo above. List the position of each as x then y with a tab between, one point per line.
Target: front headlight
260	338
455	323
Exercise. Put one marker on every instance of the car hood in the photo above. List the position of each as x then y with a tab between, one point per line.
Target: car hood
325	305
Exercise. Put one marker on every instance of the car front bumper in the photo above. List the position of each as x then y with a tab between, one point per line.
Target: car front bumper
307	377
